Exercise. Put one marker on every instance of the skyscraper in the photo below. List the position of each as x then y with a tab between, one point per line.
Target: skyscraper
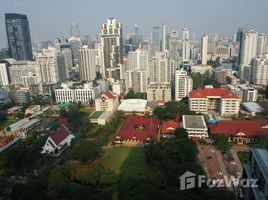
249	46
185	45
174	45
262	41
87	63
18	36
163	37
155	39
112	49
74	30
204	45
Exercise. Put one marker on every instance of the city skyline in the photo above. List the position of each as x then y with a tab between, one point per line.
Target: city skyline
46	25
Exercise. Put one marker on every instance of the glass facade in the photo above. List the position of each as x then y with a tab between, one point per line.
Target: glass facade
18	36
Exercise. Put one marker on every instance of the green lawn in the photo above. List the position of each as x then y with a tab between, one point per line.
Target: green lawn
122	159
126	162
8	122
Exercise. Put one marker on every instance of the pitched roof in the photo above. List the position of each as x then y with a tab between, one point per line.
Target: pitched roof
208	92
129	128
63	120
109	94
233	127
169	126
60	135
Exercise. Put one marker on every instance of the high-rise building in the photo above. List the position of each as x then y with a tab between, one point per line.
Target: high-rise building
159	92
262	41
138	60
87	63
4	74
163	37
183	84
74	30
136	80
161	68
174	45
18	36
204	51
249	46
155	39
75	44
51	66
112	49
64	47
185	45
259	70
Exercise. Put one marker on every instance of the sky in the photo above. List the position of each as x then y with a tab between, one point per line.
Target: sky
49	19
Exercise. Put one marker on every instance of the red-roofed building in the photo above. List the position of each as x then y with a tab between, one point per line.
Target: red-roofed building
63	121
220	100
137	129
58	142
169	127
107	101
240	131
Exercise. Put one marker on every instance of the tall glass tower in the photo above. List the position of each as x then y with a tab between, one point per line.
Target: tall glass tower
18	36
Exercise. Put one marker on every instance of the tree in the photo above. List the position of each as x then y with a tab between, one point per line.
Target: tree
209	81
159	112
222	143
3	116
198	80
181	133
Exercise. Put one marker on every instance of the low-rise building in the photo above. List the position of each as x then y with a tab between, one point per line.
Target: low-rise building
158	92
240	131
100	117
107	101
133	106
195	126
220	100
80	93
137	130
58	142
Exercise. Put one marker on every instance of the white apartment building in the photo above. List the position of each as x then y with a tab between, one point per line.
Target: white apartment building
4	76
183	84
138	60
159	92
204	50
210	100
161	68
259	70
107	101
87	63
185	45
82	93
136	80
51	66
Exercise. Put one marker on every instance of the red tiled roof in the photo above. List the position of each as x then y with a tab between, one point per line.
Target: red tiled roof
60	135
169	126
128	131
233	127
110	94
63	120
204	93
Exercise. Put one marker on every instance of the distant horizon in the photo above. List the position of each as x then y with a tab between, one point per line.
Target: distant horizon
51	19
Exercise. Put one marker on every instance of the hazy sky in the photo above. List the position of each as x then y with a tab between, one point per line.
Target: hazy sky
51	18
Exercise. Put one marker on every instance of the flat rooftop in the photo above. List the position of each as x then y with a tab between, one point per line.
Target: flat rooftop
193	121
